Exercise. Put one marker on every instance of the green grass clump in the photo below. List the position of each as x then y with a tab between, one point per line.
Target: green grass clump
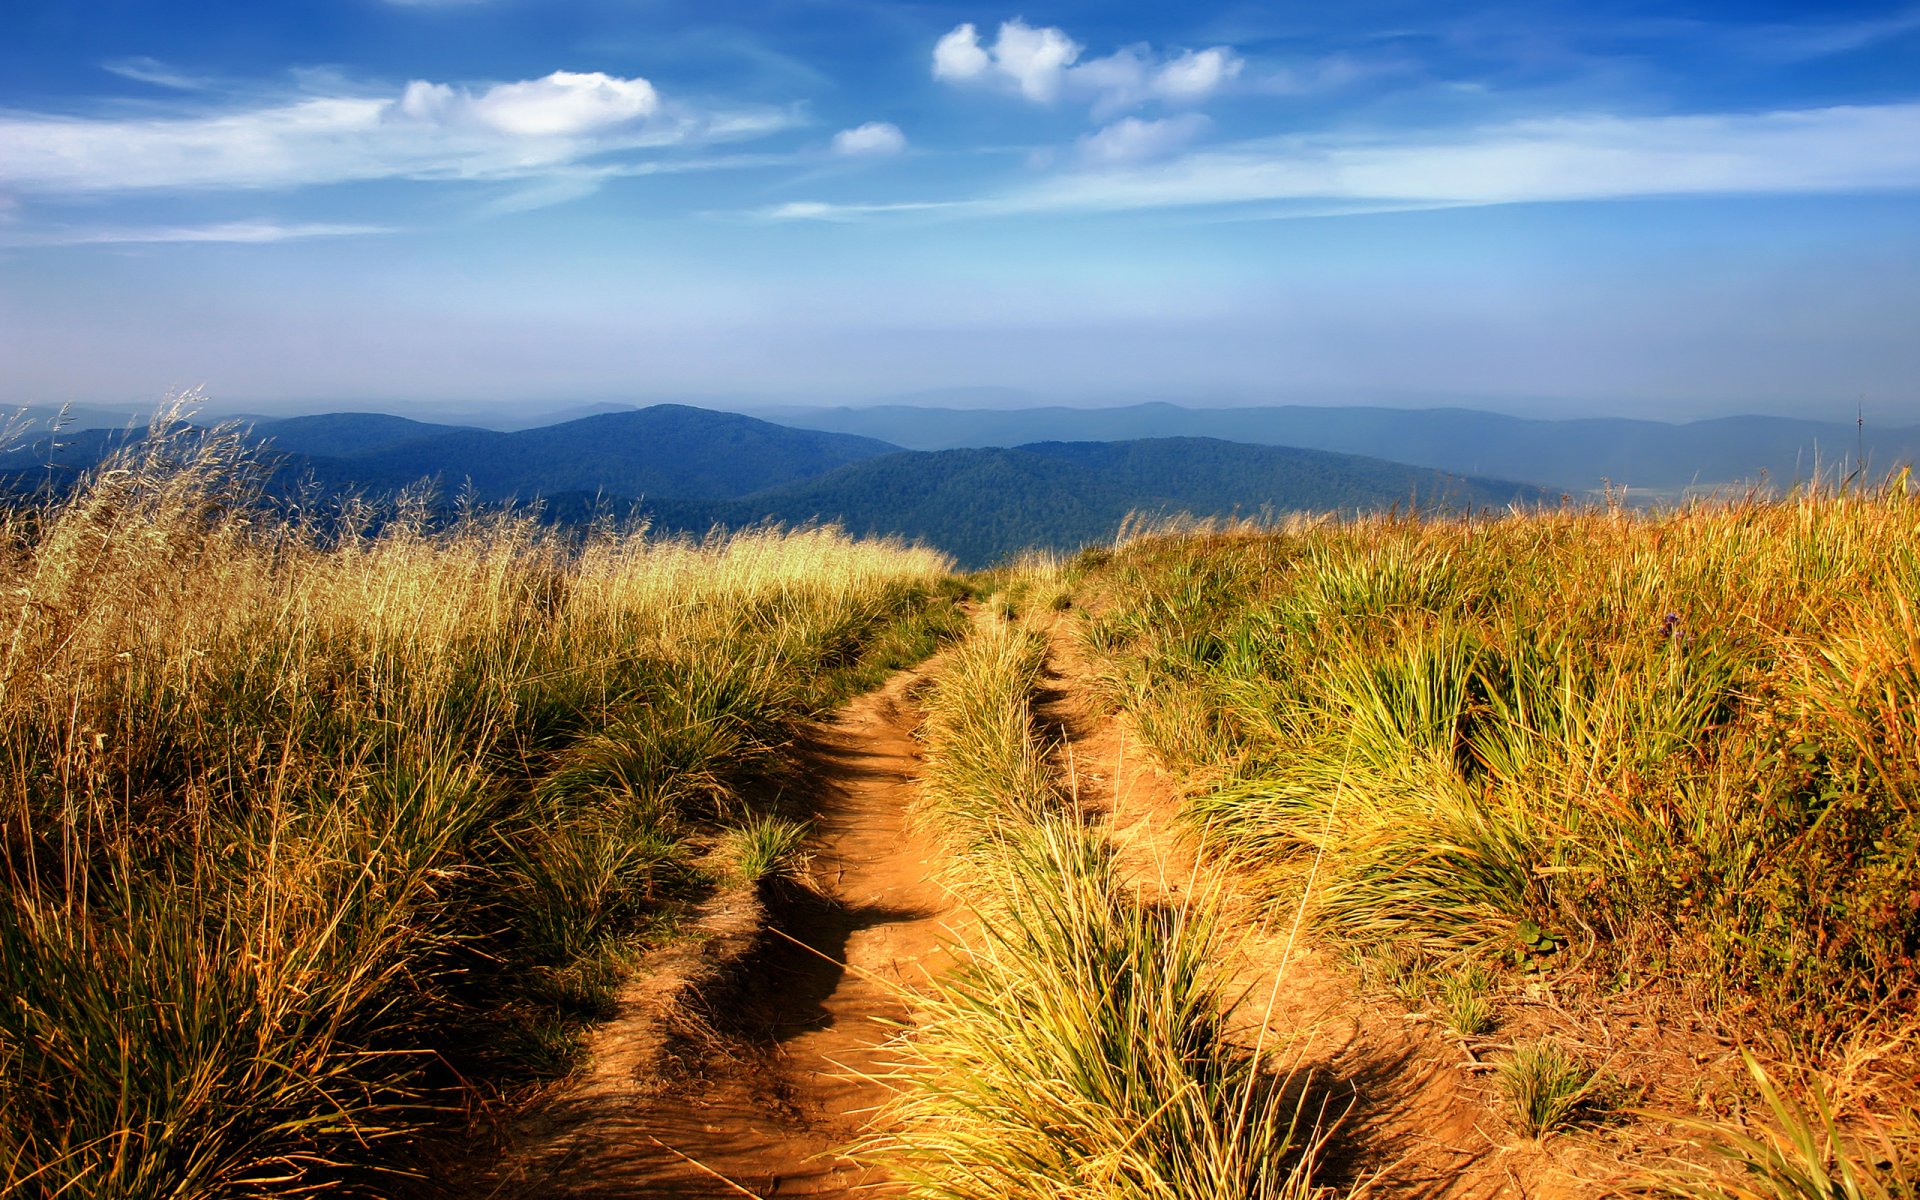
765	847
1466	1002
1543	1085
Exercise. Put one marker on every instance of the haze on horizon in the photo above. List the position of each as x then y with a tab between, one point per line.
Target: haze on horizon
1673	210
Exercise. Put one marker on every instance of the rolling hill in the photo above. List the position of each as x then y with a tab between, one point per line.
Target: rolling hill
690	469
1576	455
981	505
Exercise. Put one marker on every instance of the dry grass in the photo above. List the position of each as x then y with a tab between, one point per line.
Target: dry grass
312	826
1081	1047
1600	749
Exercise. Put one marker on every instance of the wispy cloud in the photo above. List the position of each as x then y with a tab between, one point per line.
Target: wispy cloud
142	69
1849	148
517	130
1131	139
249	232
1790	43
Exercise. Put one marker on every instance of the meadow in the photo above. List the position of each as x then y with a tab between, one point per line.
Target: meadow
326	831
1586	754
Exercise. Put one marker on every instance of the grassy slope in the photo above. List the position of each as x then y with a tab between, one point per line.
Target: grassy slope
307	848
1610	752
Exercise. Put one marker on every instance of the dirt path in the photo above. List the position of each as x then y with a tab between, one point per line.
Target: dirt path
749	1081
1422	1122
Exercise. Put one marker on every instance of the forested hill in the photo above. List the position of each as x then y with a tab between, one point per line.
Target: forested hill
692	470
983	505
1575	455
669	450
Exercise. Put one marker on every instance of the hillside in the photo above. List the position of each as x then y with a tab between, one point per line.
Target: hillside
348	433
691	470
668	450
1576	455
981	505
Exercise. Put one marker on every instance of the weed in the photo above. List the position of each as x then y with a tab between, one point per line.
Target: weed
1466	1002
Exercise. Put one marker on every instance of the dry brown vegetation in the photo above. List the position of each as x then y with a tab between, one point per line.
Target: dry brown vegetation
318	834
324	832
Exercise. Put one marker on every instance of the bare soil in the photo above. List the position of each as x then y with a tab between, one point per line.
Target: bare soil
743	1061
746	1059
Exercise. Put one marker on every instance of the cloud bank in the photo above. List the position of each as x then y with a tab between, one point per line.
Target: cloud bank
514	130
1842	148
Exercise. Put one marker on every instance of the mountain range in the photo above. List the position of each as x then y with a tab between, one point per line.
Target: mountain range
691	469
1576	455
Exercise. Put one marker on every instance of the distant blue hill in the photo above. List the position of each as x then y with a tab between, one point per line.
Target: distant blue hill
691	470
984	505
1575	455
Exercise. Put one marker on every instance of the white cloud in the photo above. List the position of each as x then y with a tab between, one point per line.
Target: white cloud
1842	149
1131	139
1196	74
958	55
514	130
1044	64
1035	59
875	138
564	104
250	232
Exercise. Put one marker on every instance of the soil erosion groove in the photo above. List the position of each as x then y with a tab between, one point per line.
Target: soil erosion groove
1419	1126
750	1080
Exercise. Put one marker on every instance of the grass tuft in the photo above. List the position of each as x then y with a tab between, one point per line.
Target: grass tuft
1544	1086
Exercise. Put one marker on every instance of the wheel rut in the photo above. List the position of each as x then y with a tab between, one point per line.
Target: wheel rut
754	1080
1418	1123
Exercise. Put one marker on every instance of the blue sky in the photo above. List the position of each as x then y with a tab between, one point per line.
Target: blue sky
1647	209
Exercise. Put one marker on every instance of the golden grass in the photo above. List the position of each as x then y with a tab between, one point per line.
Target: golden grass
1612	749
314	824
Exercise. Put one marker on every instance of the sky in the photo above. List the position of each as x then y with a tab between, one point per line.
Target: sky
1668	210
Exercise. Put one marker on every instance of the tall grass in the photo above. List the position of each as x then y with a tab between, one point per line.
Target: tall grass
1081	1047
1675	749
311	825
